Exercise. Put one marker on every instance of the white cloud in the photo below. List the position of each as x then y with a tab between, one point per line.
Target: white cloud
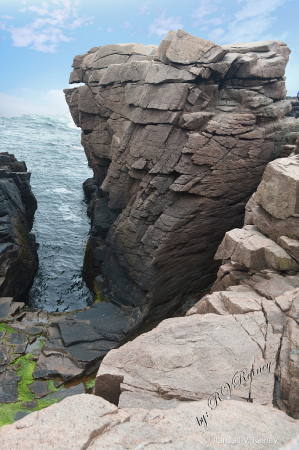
22	10
252	20
7	17
206	8
45	33
144	8
251	23
161	25
127	26
40	11
256	8
2	25
216	34
51	102
43	40
110	30
251	30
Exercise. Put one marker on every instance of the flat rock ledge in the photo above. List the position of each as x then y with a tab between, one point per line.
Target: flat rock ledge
178	137
87	422
46	357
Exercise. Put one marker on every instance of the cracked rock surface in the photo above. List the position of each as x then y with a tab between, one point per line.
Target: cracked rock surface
89	422
178	137
241	340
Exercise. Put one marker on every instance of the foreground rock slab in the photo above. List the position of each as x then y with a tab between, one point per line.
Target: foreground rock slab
190	358
87	422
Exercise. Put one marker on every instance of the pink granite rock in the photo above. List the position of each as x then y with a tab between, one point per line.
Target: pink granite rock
86	422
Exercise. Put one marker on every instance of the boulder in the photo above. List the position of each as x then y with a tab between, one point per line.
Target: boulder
252	249
278	192
188	49
170	363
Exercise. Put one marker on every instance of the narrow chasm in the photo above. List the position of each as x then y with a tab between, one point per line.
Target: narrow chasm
176	141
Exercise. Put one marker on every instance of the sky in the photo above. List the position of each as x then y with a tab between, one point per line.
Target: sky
39	39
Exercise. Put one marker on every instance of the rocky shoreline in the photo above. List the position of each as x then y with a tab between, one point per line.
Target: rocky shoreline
222	372
179	138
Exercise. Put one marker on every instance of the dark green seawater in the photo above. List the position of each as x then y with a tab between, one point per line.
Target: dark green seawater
51	148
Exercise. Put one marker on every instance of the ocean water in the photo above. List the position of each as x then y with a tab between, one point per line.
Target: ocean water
51	148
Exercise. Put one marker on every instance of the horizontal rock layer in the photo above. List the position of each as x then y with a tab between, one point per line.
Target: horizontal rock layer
178	137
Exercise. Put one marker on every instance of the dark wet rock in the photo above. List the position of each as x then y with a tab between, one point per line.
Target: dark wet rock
31	339
89	187
103	218
99	254
35	347
17	341
90	267
18	249
63	392
68	346
9	387
295	109
28	329
29	405
88	335
20	414
5	304
9	308
4	358
56	363
39	389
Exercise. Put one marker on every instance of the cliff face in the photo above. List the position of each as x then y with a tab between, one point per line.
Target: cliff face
18	250
240	342
178	137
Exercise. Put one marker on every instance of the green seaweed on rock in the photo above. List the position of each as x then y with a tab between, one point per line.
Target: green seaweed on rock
90	384
4	327
8	411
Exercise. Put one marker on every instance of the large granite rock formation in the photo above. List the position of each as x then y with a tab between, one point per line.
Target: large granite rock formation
240	341
18	250
178	137
88	422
